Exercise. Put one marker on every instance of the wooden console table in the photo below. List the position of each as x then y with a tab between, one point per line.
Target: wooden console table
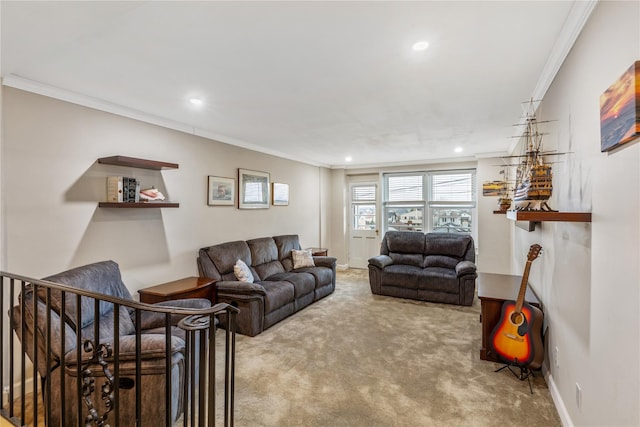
319	251
189	287
493	291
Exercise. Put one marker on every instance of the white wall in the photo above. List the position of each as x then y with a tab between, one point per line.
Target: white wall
494	230
588	276
52	184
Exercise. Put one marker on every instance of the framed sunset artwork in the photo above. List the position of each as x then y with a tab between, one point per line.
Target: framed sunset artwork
620	110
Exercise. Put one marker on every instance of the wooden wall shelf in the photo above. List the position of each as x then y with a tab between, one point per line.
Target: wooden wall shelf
124	205
540	216
137	163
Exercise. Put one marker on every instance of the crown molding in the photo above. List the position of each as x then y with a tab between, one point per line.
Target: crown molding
39	88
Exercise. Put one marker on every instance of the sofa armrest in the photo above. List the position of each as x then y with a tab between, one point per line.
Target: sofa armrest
231	287
152	346
465	267
380	261
324	261
154	319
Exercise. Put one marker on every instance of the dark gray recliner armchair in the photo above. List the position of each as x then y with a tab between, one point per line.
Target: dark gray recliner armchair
437	267
60	368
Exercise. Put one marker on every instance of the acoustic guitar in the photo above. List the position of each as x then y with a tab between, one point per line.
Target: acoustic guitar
517	338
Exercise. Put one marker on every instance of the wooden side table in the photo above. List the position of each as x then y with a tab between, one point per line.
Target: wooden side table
319	251
493	291
189	287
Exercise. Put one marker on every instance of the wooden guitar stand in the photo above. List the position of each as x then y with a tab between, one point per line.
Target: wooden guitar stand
525	373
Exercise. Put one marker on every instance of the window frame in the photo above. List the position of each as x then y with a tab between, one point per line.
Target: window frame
427	205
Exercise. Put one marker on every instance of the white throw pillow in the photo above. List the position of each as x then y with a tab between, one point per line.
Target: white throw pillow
242	272
302	258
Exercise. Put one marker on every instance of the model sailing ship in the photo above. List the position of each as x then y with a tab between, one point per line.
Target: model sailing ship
533	185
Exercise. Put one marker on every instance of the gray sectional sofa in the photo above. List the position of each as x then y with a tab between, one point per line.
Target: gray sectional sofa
437	267
278	290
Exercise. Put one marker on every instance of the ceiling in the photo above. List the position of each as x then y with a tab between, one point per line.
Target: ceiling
310	81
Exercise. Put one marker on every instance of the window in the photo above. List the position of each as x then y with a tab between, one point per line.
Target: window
441	201
363	202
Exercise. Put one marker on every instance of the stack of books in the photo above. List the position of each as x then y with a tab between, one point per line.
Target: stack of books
122	189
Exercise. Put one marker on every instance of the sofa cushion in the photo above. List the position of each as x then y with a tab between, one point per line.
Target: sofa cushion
440	261
285	245
415	260
102	277
406	242
263	250
401	275
277	294
439	279
450	244
302	258
303	283
225	255
242	272
323	275
266	270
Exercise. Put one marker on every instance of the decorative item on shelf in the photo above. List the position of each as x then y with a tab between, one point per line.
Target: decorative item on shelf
122	189
620	110
253	189
280	194
533	183
493	188
151	195
504	200
221	191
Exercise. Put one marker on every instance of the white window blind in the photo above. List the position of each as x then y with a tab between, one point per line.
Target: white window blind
403	188
454	187
363	193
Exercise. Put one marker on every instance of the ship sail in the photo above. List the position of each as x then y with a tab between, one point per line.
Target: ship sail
533	186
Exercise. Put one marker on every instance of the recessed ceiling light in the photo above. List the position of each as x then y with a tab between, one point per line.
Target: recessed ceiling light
196	101
421	45
348	159
458	149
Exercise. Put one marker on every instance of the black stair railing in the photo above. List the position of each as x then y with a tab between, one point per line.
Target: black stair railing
54	372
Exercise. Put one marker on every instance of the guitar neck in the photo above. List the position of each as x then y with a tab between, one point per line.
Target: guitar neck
523	287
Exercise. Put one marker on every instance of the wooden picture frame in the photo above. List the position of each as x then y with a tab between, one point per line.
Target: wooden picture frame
253	189
221	191
280	194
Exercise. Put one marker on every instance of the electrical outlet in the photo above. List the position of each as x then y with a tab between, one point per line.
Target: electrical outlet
556	362
578	396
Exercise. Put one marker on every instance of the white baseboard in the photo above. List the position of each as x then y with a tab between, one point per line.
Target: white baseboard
557	399
342	266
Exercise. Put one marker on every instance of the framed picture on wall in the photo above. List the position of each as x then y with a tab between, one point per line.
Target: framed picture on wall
253	189
280	194
620	110
221	191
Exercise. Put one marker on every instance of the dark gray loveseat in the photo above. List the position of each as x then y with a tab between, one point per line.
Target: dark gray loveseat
278	289
437	267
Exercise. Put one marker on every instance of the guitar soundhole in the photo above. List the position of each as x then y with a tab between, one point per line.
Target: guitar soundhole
517	318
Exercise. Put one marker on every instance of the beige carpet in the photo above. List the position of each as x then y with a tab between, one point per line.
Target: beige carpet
355	359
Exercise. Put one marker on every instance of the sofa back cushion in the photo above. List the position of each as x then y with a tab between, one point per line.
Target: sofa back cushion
222	258
100	277
458	246
264	256
404	247
286	244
